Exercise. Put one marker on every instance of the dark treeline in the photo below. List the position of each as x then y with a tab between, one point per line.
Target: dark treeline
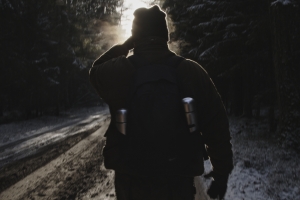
251	49
47	48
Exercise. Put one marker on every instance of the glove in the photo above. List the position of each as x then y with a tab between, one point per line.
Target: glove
218	187
129	43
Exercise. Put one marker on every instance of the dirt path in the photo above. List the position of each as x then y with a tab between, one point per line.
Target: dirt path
70	175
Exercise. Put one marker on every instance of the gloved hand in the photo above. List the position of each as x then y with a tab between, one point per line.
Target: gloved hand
129	43
218	187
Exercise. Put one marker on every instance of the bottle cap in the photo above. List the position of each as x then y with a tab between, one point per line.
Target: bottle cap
188	104
121	115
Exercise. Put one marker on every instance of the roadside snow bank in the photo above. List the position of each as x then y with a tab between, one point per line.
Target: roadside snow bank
243	184
263	170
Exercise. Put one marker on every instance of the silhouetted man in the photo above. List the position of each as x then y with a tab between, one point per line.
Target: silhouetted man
141	171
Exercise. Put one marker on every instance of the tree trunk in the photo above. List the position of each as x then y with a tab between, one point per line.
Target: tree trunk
248	94
1	109
238	94
285	30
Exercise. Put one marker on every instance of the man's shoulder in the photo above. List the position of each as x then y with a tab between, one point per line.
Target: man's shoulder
114	65
190	66
120	60
113	69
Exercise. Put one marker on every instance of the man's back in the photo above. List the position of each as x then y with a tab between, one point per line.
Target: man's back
112	75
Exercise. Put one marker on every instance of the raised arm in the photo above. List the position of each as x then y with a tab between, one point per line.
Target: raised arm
98	69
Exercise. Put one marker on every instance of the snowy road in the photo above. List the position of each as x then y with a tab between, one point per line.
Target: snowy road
30	144
69	175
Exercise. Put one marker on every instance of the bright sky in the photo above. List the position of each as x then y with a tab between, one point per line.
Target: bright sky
129	7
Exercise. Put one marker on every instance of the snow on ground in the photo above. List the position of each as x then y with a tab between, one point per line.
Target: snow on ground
20	139
262	169
243	184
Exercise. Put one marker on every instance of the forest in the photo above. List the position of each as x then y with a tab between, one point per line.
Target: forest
250	48
47	48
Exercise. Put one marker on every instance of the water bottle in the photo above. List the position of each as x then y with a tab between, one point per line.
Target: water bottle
121	119
190	113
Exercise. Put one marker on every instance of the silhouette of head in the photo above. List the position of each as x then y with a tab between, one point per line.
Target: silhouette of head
149	22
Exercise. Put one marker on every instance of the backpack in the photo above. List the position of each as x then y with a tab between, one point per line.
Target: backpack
158	140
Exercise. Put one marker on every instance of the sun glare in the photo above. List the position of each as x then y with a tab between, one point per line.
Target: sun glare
128	8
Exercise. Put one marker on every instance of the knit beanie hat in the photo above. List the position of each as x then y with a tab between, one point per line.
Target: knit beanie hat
149	22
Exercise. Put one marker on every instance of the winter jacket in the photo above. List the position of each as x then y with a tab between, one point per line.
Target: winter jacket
111	74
